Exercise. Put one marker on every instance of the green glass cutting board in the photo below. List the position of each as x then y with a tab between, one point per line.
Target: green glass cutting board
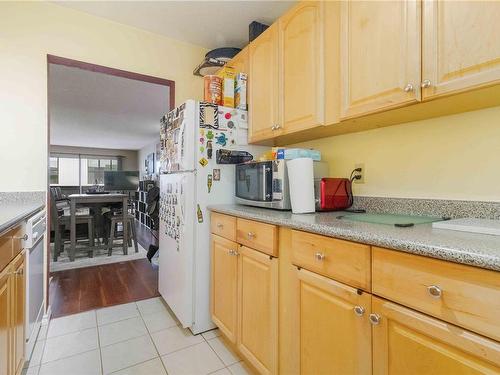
391	219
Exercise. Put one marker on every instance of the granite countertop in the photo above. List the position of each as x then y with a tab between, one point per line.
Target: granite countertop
15	207
467	248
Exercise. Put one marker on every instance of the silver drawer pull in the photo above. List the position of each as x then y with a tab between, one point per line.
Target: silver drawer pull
220	226
408	88
319	256
19	272
359	310
375	319
233	253
434	291
250	235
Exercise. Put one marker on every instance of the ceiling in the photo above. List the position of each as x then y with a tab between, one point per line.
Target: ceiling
210	24
89	109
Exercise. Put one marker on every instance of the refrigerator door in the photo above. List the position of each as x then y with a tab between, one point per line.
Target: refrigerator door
177	136
177	234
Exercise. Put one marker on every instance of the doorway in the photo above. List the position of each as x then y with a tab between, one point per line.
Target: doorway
103	124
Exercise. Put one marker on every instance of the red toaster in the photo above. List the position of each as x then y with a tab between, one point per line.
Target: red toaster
333	194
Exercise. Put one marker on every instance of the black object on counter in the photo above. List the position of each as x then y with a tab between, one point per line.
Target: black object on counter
232	157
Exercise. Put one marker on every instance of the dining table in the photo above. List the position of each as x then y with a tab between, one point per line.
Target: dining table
93	199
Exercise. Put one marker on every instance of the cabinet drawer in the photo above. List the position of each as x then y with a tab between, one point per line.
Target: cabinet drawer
11	244
223	225
258	236
463	295
17	242
344	261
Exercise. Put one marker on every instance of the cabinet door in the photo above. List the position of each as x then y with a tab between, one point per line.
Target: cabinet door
263	86
18	312
258	309
380	51
461	47
300	66
223	293
5	307
240	61
335	333
407	342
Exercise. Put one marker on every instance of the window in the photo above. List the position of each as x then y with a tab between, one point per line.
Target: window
54	170
80	170
96	168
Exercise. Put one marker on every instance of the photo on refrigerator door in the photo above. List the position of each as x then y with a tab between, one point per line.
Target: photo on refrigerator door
171	139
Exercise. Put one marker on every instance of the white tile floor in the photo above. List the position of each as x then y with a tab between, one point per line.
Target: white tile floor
139	338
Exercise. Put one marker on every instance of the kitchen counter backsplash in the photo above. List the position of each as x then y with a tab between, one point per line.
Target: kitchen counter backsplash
429	207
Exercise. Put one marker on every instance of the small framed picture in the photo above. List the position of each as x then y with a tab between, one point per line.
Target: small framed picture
216	174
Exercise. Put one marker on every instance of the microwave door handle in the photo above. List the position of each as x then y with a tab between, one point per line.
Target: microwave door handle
264	178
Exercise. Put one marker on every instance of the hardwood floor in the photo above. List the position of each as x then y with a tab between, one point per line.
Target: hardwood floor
84	289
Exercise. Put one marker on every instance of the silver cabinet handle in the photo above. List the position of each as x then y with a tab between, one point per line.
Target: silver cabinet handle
359	310
409	88
319	256
273	128
24	238
375	319
19	272
220	226
278	126
233	253
434	291
250	235
425	83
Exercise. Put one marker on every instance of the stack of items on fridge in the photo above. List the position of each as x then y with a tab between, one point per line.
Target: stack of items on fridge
227	88
200	143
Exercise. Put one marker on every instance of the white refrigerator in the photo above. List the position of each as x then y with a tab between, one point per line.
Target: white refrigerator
190	180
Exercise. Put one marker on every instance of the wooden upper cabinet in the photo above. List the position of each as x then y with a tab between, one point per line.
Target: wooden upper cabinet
258	309
380	55
223	292
461	46
335	333
407	342
263	86
240	61
302	78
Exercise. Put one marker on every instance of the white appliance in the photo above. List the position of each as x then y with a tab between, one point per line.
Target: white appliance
34	242
482	226
190	137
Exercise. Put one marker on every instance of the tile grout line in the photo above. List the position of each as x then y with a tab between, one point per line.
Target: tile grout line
151	338
99	342
210	346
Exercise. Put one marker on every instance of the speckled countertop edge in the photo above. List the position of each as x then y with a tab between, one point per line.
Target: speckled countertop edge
16	207
460	247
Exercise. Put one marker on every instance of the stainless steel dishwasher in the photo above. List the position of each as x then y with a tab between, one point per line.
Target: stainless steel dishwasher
34	244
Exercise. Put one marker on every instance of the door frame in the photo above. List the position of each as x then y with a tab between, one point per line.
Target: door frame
58	60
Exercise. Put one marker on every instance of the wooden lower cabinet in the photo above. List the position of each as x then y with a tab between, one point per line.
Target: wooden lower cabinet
4	321
335	333
408	342
12	313
223	293
258	309
18	312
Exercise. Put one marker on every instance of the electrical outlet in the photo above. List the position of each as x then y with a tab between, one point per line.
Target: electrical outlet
362	173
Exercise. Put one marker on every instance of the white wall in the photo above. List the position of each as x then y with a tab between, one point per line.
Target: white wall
143	153
450	157
31	30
